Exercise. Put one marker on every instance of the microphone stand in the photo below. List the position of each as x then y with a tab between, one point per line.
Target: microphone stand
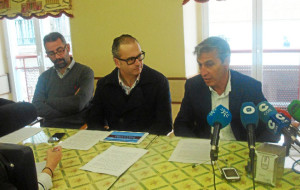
287	143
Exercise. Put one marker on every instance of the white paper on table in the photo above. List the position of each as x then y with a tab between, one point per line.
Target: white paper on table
191	151
84	139
115	160
20	135
288	163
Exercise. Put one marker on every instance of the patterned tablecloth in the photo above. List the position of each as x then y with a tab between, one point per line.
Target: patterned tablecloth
153	170
68	175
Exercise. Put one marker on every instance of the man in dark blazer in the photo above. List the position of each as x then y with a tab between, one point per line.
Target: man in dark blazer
133	97
217	84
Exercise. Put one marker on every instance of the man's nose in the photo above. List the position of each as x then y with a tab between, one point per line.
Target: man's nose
57	56
203	71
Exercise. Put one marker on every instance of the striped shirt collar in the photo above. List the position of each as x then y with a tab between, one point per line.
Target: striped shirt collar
126	88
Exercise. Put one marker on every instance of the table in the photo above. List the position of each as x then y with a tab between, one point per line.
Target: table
153	170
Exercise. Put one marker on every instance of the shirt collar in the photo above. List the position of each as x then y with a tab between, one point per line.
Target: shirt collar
67	70
124	86
228	86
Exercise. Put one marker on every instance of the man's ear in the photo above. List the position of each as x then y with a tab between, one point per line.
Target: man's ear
68	48
117	62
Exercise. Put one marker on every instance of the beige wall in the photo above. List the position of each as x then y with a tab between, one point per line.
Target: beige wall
157	24
3	59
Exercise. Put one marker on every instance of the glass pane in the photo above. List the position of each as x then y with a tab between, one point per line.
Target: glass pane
281	51
237	30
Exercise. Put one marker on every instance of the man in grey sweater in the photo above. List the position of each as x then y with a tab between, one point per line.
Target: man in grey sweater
64	91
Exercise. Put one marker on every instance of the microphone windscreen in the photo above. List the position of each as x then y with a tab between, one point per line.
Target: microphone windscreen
277	122
294	109
265	110
284	112
221	115
249	114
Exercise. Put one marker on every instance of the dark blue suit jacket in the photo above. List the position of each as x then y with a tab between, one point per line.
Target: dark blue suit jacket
196	104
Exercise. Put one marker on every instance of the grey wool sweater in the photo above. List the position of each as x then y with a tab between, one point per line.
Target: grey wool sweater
56	99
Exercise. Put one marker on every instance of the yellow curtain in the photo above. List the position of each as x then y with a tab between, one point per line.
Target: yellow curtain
34	8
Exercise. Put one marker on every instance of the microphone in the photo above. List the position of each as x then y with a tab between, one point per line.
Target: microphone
284	112
218	118
294	109
265	109
249	118
276	122
294	130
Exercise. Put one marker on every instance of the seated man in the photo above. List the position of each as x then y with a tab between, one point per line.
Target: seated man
14	116
217	84
133	97
64	91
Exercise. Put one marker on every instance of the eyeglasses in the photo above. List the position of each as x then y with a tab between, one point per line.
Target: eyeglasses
59	51
131	60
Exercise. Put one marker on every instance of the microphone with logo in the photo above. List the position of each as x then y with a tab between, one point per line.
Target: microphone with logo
294	130
276	122
249	118
218	118
294	110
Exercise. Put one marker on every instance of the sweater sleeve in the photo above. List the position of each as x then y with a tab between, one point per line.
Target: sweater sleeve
78	101
39	100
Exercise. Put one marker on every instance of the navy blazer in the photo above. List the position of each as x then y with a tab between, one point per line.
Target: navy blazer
196	104
147	107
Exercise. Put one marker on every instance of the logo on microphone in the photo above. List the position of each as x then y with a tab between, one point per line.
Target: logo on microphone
249	110
271	124
225	113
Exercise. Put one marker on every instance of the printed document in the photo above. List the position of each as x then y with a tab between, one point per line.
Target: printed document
20	135
115	160
192	151
84	139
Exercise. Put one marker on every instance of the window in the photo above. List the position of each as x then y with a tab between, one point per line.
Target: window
264	39
27	58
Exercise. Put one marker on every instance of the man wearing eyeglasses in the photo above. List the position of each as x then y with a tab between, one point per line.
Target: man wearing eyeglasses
64	91
133	97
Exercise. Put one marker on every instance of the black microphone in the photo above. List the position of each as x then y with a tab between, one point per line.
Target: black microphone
249	118
218	118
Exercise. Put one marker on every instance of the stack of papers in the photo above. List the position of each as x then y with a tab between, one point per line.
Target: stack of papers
84	139
191	151
20	135
115	160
